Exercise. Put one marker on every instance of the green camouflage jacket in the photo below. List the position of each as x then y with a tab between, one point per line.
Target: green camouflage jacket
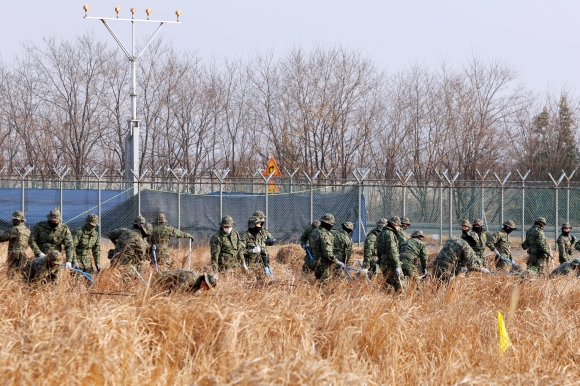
321	243
306	235
415	251
251	241
388	247
130	246
17	238
370	248
87	241
502	242
45	239
402	236
224	247
455	254
341	245
535	242
162	233
477	241
564	269
37	271
565	247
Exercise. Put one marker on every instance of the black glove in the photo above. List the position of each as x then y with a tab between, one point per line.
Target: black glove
573	238
270	242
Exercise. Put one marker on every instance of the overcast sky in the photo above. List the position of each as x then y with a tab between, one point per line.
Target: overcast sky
536	37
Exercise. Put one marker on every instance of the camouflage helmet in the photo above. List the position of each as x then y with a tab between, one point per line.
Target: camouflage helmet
417	234
259	214
18	215
541	220
54	215
55	257
253	221
478	222
465	223
327	218
161	219
210	279
92	219
140	220
575	262
348	226
395	220
405	221
382	223
315	224
509	224
227	221
566	225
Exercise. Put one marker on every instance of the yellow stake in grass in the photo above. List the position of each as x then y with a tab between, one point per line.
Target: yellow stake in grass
504	339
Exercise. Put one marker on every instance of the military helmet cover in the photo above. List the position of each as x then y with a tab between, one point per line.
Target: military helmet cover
509	224
395	220
417	234
465	223
405	221
541	220
92	219
478	222
328	218
348	226
161	218
382	223
227	221
54	215
575	261
140	220
18	215
253	221
55	257
566	225
259	214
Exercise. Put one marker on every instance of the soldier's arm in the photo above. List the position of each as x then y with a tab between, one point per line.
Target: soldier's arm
69	246
348	253
423	256
6	236
179	234
304	237
327	247
369	247
215	246
241	248
32	241
561	246
265	256
543	244
97	251
491	240
394	250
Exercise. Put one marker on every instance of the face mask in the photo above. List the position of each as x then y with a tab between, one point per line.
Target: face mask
565	233
53	225
465	231
508	230
476	229
15	222
227	230
90	227
326	226
254	231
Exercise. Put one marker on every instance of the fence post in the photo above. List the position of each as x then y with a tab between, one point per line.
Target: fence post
404	178
99	177
483	177
25	171
523	178
266	181
441	178
326	179
253	174
61	172
502	183
121	173
568	178
139	178
179	174
221	175
450	181
311	181
556	185
360	174
291	175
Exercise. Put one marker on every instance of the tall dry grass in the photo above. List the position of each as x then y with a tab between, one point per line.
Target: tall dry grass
291	331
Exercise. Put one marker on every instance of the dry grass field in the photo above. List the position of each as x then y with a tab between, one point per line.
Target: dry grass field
289	331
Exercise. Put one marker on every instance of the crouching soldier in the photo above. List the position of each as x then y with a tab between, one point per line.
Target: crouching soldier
130	245
184	281
455	254
43	270
569	268
413	253
226	246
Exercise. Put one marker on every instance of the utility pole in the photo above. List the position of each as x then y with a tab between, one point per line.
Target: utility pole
132	139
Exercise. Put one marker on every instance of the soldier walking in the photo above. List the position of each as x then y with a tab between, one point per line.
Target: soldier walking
322	247
52	235
370	258
160	236
388	251
501	242
342	242
17	238
226	246
566	243
255	247
86	241
536	246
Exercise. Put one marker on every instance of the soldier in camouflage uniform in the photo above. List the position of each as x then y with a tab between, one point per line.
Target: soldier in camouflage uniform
342	242
455	254
322	247
255	252
266	235
501	242
17	238
130	245
566	243
571	267
86	241
43	270
227	247
388	252
183	281
160	236
309	265
476	238
402	234
536	246
52	235
370	258
412	253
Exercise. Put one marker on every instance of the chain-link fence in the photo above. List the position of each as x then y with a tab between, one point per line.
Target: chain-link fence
290	204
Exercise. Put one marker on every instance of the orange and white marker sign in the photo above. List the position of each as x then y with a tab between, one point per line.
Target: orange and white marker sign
272	167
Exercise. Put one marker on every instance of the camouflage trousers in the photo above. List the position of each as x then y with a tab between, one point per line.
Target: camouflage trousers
324	270
226	262
481	258
85	264
443	273
392	281
373	267
563	259
411	272
16	261
163	256
310	264
539	262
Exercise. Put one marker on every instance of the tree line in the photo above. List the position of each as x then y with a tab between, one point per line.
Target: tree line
66	102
